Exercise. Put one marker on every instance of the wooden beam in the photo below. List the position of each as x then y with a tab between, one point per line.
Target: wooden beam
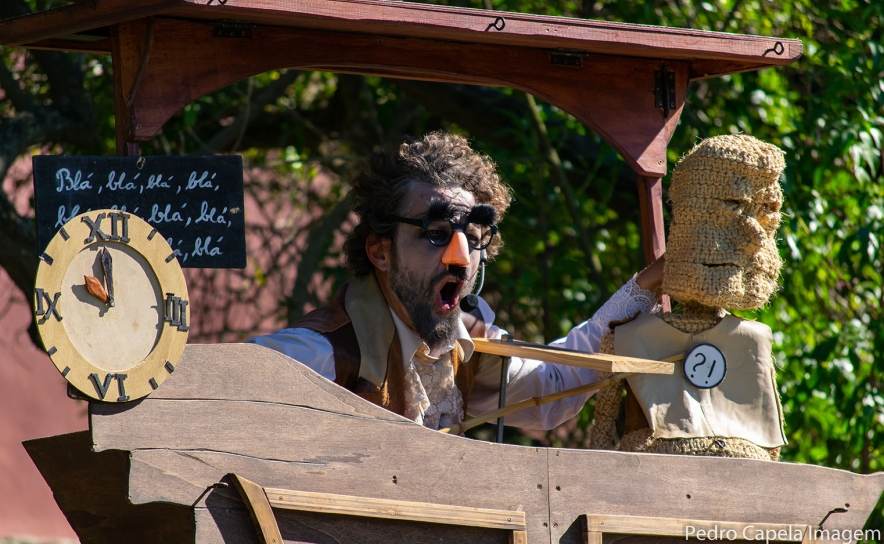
131	46
412	19
96	47
73	18
650	199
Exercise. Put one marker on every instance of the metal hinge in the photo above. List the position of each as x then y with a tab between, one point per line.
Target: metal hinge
566	57
233	29
664	90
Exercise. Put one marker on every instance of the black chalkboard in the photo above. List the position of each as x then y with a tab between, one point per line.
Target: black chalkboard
196	203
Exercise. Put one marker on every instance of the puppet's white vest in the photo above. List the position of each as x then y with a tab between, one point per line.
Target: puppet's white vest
744	405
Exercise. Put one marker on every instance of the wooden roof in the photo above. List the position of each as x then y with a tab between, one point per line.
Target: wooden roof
82	25
626	82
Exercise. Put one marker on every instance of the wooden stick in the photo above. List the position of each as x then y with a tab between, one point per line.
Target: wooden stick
533	401
596	361
537	401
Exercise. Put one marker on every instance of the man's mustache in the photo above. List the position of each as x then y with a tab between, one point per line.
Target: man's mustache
457	272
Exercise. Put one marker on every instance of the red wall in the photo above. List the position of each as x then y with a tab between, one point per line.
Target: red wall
33	404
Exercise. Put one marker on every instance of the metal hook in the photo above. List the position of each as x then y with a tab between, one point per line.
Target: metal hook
498	24
217	485
778	49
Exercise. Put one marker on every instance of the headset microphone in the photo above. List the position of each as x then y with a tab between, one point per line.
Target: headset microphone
471	301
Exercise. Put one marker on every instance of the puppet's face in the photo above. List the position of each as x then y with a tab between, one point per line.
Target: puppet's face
721	250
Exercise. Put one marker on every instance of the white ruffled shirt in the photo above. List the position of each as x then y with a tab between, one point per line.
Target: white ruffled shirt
432	398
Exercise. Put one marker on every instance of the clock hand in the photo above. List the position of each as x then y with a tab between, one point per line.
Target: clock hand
95	289
107	265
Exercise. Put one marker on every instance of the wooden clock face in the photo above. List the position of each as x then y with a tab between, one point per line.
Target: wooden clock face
111	305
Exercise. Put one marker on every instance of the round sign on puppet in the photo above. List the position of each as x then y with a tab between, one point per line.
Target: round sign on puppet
705	366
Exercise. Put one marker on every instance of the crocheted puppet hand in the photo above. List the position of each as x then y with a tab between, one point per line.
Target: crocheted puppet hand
721	255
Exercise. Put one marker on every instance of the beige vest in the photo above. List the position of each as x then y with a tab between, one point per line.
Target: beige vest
744	405
368	354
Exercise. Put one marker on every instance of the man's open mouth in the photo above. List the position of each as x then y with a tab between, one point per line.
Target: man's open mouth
448	294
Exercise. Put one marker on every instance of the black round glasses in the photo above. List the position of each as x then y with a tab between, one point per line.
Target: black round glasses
440	231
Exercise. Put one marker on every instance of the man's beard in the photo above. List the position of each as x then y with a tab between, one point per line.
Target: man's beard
420	302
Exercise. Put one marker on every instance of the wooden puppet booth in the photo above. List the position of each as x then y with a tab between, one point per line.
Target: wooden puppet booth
238	443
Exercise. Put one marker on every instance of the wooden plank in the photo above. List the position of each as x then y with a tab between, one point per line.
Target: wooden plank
596	361
705	488
64	21
330	503
686	528
321	451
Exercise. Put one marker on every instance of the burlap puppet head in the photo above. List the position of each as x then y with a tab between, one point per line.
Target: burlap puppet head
726	198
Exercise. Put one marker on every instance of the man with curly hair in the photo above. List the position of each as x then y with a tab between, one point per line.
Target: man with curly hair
395	333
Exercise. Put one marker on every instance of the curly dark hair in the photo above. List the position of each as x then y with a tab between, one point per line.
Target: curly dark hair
440	159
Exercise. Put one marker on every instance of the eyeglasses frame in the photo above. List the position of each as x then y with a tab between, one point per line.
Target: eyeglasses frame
425	224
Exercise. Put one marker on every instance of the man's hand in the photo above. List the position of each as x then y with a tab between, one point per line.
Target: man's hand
651	278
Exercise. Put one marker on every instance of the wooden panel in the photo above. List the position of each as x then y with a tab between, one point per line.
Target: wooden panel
707	488
611	95
303	432
91	490
175	445
597	361
185	442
